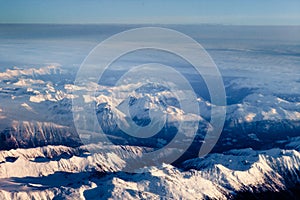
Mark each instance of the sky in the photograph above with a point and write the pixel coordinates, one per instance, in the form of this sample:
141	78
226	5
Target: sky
235	12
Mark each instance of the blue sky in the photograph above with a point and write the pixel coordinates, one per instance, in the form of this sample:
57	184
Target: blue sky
241	12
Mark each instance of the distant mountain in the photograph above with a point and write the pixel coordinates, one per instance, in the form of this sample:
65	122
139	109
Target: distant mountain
44	96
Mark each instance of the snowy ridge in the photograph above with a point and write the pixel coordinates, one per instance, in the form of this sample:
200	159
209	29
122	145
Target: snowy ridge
43	161
250	170
258	107
90	176
10	74
34	133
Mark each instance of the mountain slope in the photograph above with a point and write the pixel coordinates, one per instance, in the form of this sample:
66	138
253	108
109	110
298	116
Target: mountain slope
74	173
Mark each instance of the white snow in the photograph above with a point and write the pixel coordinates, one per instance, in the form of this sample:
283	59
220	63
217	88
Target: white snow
215	176
17	72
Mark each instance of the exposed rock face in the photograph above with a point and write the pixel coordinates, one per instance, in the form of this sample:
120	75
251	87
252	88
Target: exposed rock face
32	134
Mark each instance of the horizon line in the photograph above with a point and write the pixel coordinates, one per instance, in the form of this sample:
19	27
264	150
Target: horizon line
142	24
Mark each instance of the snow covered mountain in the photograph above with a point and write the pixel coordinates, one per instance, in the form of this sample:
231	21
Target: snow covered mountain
68	173
30	113
25	134
42	97
42	156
